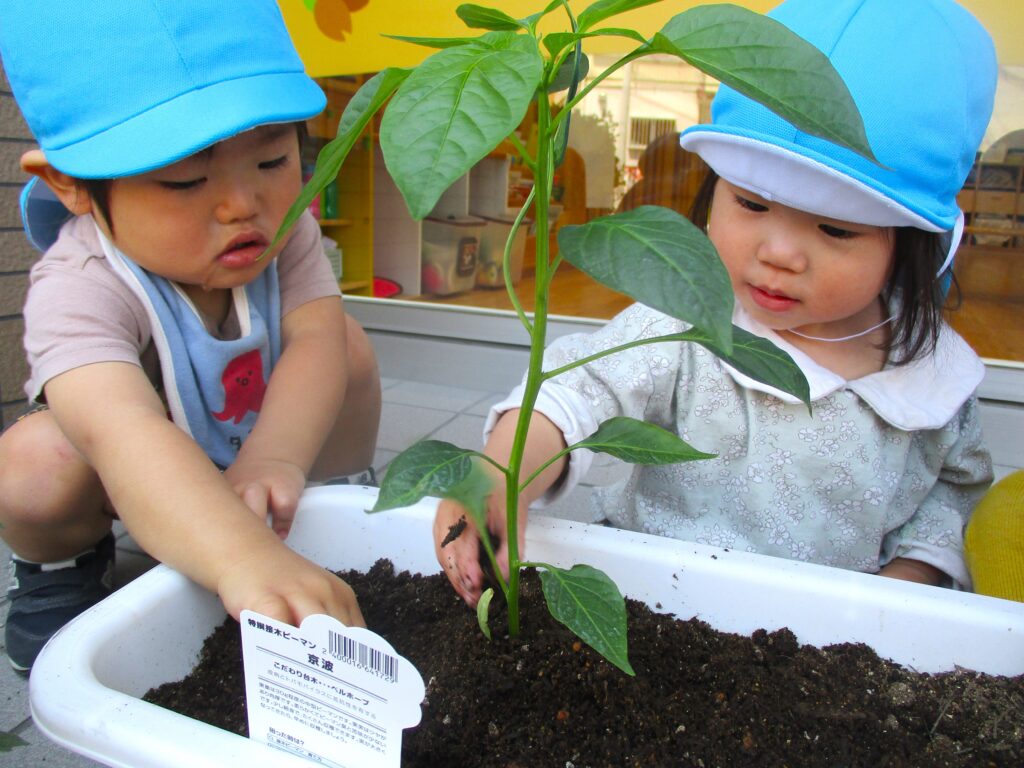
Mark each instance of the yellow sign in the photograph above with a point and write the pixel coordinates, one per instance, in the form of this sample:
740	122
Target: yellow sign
341	37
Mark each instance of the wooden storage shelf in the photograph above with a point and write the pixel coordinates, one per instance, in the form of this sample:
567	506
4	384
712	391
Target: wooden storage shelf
348	286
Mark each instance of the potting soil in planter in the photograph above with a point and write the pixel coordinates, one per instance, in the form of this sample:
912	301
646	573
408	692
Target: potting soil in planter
700	697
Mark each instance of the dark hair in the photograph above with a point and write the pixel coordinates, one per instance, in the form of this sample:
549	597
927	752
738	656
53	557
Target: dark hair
918	256
98	190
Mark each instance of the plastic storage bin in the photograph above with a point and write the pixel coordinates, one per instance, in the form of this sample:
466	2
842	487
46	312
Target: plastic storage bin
86	687
492	252
450	252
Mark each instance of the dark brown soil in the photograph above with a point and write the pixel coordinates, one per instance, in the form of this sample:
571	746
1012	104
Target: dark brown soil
700	697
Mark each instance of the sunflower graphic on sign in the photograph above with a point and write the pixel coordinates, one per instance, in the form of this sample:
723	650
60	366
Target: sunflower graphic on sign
334	17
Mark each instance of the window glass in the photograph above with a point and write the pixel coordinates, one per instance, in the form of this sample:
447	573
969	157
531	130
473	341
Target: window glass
624	153
990	263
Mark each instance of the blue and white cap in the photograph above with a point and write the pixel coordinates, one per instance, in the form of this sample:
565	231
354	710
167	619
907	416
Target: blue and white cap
923	75
114	88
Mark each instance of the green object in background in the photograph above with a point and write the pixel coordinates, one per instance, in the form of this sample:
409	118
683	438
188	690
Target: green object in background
329	201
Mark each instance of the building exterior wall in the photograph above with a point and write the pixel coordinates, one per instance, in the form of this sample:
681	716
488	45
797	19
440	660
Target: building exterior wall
16	257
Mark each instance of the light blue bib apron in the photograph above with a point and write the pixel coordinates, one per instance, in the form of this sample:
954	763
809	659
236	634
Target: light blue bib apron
214	387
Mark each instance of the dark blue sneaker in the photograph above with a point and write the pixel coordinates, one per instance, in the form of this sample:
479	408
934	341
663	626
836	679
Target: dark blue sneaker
46	597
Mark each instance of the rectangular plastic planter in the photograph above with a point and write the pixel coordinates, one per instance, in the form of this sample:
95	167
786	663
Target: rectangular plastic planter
85	687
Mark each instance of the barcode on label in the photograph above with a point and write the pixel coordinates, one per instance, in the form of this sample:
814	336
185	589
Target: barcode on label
361	655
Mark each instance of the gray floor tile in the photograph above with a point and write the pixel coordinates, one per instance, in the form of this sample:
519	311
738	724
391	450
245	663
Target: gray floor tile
13	697
483	406
442	398
463	431
402	425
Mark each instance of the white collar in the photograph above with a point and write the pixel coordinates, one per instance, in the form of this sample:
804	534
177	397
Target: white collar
924	394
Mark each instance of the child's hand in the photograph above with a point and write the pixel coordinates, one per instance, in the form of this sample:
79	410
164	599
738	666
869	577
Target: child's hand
458	550
269	487
279	583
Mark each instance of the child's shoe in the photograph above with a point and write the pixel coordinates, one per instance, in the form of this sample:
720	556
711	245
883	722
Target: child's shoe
45	597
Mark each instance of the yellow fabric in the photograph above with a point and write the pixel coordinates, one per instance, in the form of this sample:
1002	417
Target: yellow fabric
994	542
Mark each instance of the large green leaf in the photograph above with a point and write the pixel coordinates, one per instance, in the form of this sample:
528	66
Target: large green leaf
604	9
357	115
586	601
428	468
764	60
658	257
480	17
455	108
433	42
639	442
757	358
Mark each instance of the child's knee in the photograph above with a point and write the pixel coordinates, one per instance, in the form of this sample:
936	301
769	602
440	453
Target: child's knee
994	541
44	476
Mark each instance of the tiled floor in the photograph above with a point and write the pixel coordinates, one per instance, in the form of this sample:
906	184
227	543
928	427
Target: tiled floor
412	411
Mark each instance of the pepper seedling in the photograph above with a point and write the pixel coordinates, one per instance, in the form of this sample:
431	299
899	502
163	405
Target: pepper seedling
444	115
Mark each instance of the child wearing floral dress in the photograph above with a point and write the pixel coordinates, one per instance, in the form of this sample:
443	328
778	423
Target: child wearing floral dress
842	263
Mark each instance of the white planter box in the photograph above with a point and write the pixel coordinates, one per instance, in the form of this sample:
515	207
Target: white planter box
86	684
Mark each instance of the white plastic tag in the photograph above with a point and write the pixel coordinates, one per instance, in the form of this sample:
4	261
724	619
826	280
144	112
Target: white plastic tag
337	695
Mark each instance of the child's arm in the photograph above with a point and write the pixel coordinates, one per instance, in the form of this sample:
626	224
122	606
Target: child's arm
302	402
177	505
460	558
913	570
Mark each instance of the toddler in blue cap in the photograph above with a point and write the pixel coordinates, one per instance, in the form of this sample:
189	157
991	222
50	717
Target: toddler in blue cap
840	262
168	155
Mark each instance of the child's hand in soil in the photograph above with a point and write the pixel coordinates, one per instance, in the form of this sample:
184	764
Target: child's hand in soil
277	582
458	549
269	487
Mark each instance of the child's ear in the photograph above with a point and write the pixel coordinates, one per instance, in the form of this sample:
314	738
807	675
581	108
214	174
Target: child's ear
65	187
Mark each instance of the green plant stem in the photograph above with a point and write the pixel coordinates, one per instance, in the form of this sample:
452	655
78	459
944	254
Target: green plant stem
544	466
507	263
569	105
534	377
674	337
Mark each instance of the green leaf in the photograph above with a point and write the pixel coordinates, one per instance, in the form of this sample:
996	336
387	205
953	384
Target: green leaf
658	257
480	17
310	4
764	60
604	9
357	115
558	41
434	42
586	601
533	18
9	741
428	468
564	77
482	608
639	442
757	358
455	108
472	492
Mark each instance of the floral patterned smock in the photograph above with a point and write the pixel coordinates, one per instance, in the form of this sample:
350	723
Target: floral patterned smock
889	465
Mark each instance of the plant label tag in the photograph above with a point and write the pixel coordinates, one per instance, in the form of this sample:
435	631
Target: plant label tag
339	696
